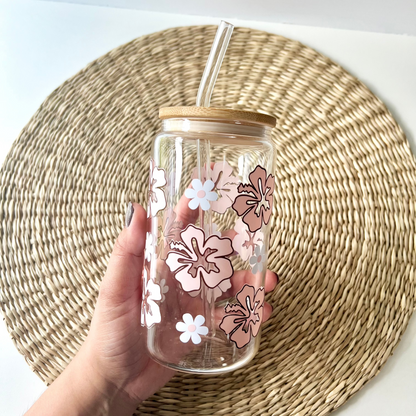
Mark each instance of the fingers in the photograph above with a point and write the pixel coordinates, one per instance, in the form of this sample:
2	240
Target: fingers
184	213
271	281
245	277
123	277
267	311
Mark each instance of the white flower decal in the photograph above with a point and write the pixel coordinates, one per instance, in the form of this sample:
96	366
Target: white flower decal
225	184
150	247
157	199
257	261
201	194
164	288
245	242
191	328
150	309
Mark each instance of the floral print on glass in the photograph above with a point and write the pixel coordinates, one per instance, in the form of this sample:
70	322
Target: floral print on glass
149	247
196	259
255	200
215	230
150	312
191	328
170	231
213	294
225	185
200	194
243	319
245	241
157	200
257	260
164	288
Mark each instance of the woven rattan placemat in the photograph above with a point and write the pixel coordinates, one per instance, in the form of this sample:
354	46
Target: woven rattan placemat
343	230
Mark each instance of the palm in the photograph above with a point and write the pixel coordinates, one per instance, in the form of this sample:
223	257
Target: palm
117	341
120	340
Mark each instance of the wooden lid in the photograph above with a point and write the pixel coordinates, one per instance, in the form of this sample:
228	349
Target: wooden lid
217	113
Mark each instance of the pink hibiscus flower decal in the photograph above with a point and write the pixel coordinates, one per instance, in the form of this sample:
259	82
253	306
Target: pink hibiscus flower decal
243	320
255	201
245	242
195	259
225	185
170	231
156	200
150	311
212	295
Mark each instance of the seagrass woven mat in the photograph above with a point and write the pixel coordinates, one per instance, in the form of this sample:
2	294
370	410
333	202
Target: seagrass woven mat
343	230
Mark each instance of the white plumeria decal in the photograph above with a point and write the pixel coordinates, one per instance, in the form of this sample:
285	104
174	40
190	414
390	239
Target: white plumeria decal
150	247
257	261
150	309
225	184
201	194
157	199
192	328
164	288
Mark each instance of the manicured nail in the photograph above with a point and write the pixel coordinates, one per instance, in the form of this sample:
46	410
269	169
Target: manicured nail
129	214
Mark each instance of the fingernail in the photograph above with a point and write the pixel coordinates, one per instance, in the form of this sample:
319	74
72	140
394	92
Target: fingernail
129	214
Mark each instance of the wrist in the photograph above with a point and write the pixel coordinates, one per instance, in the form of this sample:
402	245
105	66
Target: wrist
82	391
102	395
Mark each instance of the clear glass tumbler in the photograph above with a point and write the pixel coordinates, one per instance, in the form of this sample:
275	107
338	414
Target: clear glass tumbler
209	209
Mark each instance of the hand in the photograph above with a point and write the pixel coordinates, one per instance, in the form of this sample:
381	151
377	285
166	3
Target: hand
112	373
117	339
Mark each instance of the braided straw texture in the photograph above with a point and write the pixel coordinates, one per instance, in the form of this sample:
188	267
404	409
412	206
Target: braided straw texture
343	230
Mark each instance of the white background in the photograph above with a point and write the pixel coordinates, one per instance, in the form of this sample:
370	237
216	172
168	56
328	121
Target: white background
386	16
44	43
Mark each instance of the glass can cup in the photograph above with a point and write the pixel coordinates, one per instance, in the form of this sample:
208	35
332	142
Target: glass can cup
209	212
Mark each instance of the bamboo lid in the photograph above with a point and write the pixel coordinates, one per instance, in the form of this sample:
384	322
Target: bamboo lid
217	113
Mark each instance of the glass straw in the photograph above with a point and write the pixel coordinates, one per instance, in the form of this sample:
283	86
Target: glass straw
214	62
203	99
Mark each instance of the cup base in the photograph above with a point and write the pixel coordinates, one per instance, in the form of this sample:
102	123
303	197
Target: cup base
208	358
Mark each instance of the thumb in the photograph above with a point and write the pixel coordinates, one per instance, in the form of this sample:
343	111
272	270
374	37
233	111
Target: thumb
122	279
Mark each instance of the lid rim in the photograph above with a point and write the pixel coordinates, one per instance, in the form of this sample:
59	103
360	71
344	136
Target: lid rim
218	114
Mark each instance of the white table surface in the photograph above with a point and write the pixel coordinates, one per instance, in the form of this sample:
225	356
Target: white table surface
44	43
